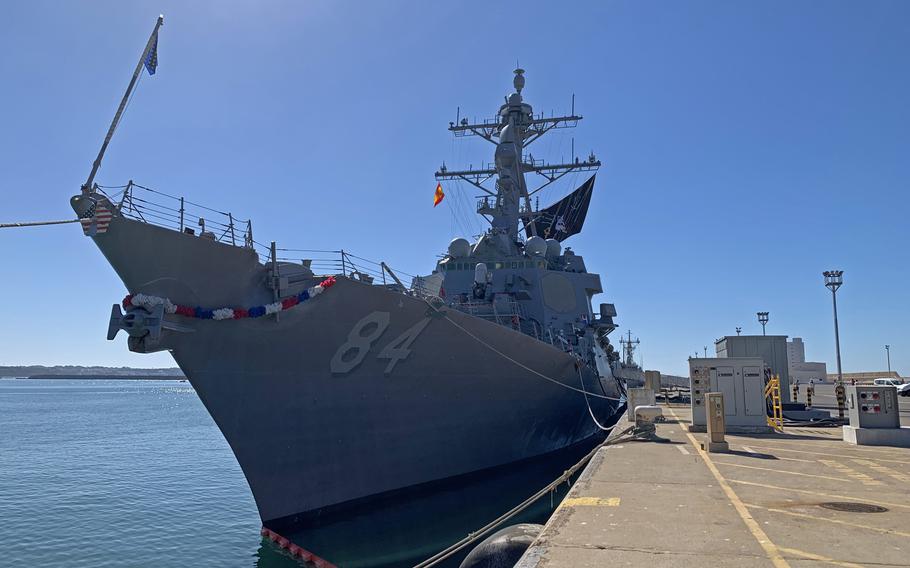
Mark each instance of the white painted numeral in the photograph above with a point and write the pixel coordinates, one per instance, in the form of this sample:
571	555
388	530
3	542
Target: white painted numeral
360	341
398	350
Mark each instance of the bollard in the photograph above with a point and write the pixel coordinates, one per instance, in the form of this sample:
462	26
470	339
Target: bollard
795	393
809	392
841	393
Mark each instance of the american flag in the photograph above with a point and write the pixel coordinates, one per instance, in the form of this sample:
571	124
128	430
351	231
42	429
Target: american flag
95	220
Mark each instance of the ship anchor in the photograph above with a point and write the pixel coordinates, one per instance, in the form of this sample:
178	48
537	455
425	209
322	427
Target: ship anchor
143	327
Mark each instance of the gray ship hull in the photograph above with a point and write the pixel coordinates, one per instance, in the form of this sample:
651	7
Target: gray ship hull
311	431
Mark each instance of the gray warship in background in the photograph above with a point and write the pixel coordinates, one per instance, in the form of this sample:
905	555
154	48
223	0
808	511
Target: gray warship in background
627	368
377	422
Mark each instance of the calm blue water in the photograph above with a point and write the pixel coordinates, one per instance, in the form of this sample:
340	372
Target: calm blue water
120	473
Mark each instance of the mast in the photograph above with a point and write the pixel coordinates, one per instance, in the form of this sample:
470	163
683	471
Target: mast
516	127
628	347
87	187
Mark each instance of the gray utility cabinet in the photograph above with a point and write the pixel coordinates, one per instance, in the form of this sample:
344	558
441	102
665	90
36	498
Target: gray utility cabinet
771	348
742	382
871	406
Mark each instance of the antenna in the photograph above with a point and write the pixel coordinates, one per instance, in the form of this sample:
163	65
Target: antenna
573	104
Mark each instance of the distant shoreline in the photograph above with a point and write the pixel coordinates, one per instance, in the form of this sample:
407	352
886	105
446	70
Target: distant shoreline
90	372
96	378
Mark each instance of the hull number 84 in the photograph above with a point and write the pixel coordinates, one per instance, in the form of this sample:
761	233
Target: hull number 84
365	334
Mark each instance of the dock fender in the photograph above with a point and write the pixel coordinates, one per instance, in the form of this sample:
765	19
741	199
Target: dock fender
504	548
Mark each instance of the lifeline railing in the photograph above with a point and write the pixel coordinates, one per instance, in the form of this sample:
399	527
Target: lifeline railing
158	208
172	212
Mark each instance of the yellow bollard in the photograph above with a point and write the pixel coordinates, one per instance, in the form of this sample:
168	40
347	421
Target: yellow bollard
841	393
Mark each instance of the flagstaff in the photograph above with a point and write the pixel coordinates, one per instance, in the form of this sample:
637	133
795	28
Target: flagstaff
149	59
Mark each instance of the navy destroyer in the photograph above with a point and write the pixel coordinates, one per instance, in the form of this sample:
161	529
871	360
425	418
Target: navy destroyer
378	418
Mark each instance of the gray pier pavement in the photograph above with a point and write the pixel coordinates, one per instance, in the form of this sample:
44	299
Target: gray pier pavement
762	504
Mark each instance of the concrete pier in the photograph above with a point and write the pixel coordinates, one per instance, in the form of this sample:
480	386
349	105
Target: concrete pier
802	498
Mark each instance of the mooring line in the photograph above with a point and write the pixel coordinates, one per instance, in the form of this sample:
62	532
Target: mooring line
36	223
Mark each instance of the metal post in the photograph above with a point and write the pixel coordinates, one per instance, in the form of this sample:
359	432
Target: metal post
840	375
181	214
231	227
87	188
276	277
888	353
763	320
344	269
125	196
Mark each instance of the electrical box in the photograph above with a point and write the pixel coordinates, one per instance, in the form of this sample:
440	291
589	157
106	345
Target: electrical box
714	408
741	380
871	406
638	397
652	380
771	348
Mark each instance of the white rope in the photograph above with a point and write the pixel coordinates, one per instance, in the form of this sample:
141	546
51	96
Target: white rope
522	365
588	402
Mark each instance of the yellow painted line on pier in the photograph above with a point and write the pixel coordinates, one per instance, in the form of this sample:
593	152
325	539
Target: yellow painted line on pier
829	455
850	472
795	440
820	494
835	521
819	558
767	545
590	502
785	471
882	469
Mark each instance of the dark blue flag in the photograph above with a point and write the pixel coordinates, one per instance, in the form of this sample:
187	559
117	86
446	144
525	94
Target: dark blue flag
151	60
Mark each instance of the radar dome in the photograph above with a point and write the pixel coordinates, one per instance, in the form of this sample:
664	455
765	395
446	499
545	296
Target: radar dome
536	246
553	248
459	248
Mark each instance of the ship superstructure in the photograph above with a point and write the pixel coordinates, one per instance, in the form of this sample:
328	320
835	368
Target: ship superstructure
366	413
531	284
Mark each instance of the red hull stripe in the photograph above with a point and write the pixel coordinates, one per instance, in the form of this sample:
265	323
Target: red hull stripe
295	550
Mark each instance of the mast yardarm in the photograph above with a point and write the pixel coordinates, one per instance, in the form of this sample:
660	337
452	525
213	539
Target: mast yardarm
514	129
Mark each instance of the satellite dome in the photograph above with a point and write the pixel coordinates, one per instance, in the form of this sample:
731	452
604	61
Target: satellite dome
536	246
554	247
459	248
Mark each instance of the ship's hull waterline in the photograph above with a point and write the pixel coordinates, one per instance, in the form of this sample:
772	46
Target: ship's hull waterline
359	392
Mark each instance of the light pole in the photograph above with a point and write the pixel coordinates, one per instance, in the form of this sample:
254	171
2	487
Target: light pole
706	355
738	330
763	320
888	353
834	279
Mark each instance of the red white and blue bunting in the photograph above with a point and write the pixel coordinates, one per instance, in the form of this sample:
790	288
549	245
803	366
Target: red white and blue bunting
149	302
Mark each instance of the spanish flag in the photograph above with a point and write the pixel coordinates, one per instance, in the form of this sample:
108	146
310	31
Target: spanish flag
439	195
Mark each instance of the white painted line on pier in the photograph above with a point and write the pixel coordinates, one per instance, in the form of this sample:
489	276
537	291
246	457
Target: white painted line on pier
750	450
683	450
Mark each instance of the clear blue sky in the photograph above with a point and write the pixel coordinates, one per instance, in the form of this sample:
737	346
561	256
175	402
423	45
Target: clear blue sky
747	147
